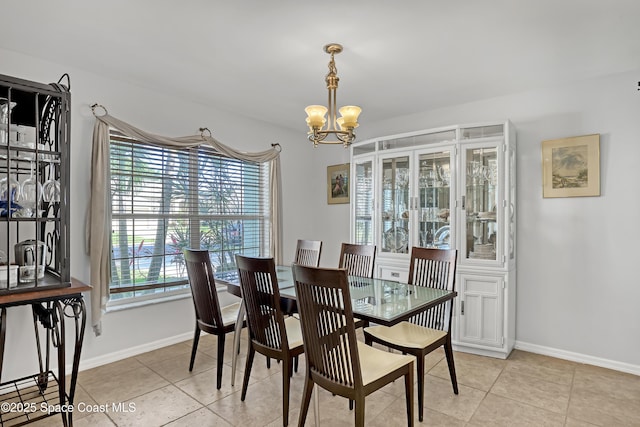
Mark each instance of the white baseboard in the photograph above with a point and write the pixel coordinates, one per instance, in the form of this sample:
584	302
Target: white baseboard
578	357
129	352
532	348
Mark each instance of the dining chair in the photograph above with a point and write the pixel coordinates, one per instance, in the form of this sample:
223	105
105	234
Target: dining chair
308	252
270	332
210	317
427	331
336	360
359	260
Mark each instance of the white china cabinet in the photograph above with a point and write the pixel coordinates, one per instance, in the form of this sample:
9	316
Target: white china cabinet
451	187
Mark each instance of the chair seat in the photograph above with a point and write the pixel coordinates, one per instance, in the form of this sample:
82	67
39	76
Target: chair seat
376	363
406	334
294	332
230	313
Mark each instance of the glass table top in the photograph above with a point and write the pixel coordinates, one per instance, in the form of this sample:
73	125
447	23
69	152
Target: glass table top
377	300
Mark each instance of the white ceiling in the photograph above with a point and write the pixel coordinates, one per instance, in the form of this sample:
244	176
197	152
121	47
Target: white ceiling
264	59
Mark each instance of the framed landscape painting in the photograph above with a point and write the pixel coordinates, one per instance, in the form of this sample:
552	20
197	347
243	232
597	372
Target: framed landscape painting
571	166
338	184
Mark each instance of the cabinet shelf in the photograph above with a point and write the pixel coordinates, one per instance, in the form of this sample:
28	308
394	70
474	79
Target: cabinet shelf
435	188
481	220
26	397
15	218
51	280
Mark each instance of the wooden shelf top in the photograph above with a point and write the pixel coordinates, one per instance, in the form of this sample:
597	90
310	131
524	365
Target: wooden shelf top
77	287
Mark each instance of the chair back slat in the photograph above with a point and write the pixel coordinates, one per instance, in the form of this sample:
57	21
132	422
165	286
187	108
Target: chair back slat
327	324
203	289
261	296
308	252
434	268
359	260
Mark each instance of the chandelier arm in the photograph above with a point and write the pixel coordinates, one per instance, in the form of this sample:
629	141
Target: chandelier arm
346	136
319	136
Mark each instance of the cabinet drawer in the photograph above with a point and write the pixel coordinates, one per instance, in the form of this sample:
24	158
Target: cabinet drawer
395	274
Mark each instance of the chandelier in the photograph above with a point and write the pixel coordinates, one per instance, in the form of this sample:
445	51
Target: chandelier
342	127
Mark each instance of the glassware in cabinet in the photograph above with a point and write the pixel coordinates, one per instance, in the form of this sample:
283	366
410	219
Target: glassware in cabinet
481	200
434	195
395	204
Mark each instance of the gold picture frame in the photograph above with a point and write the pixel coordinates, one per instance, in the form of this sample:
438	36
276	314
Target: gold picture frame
338	183
571	166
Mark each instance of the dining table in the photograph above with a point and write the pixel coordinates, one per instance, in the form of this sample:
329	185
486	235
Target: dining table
374	300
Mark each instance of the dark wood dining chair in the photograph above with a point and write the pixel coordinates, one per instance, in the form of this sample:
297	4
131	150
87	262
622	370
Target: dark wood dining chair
210	317
336	360
427	331
270	332
359	260
308	252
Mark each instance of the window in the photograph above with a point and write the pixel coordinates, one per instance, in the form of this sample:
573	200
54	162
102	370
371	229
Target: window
165	200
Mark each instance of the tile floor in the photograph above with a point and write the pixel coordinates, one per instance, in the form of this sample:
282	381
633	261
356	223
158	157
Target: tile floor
524	390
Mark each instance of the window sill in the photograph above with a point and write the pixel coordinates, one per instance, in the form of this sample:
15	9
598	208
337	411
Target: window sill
130	303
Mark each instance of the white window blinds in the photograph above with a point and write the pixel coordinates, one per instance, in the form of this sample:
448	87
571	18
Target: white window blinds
166	199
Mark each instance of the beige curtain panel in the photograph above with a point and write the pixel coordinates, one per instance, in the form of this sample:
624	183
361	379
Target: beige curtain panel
99	215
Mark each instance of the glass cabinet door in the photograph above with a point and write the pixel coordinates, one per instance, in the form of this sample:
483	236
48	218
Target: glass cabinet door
395	204
481	204
363	206
434	200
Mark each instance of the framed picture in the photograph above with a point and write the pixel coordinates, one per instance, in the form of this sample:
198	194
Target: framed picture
338	184
571	166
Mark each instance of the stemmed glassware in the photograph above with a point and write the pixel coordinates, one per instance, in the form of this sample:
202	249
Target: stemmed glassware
402	178
5	109
30	194
492	173
444	174
51	188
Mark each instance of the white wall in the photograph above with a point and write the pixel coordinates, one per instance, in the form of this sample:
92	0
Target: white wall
577	293
577	290
309	216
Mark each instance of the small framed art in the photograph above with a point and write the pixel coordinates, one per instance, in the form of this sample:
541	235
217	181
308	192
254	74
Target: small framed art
571	166
338	183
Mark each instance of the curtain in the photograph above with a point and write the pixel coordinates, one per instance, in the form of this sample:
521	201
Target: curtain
99	216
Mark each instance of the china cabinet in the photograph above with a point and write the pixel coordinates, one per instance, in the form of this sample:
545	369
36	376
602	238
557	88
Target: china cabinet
450	187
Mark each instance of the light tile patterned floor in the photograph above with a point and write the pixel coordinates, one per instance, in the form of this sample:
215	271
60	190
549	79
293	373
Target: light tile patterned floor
524	390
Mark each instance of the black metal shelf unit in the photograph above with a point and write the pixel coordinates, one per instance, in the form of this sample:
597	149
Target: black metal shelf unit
34	184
